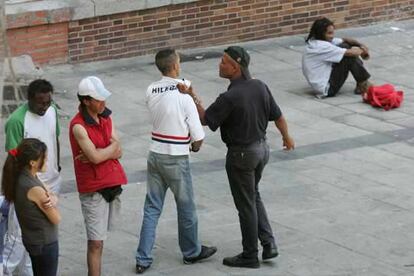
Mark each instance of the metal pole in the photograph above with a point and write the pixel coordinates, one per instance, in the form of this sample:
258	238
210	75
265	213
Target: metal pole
6	57
2	51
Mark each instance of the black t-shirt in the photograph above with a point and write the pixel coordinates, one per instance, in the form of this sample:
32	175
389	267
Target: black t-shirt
243	112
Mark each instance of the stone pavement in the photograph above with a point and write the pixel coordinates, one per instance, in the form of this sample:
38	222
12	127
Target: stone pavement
340	204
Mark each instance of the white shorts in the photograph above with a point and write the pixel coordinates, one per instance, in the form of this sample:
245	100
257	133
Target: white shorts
99	215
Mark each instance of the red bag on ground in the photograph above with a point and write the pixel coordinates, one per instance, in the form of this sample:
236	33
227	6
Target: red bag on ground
383	96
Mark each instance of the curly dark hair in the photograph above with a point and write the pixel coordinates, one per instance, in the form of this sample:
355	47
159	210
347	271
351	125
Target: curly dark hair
319	28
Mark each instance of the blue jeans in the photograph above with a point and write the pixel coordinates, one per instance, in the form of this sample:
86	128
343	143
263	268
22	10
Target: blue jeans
168	171
44	258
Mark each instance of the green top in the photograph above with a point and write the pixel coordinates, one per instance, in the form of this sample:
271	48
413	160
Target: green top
14	128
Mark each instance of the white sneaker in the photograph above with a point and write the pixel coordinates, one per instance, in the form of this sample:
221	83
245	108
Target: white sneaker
320	96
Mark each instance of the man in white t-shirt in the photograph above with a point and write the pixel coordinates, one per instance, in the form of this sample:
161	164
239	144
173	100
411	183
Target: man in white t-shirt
35	119
328	60
176	129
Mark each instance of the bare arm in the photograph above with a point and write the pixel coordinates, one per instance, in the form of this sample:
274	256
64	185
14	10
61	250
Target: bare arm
52	198
92	154
196	145
354	52
354	43
200	109
115	137
281	124
58	154
39	196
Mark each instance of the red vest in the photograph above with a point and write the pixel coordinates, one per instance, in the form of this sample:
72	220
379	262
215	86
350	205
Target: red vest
93	177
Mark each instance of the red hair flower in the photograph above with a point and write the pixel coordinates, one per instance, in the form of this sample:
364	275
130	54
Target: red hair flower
13	152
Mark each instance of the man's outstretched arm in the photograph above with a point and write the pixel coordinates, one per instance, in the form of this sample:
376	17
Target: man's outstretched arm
200	109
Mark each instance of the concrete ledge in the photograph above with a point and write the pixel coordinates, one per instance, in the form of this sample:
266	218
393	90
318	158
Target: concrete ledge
27	14
105	7
82	9
30	19
48	11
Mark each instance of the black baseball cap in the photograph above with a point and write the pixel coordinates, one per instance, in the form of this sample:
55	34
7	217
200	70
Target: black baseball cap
240	55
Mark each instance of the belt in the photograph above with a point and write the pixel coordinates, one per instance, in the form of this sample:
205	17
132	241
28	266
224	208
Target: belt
246	146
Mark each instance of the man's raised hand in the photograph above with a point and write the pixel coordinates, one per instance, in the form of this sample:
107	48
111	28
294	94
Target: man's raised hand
184	88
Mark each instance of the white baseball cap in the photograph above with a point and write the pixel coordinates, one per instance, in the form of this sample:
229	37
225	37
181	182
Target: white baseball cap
92	86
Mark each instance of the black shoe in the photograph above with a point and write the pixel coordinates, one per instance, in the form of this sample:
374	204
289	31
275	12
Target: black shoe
240	261
204	254
269	251
139	269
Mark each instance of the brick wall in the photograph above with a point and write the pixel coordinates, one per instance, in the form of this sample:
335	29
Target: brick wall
215	22
45	43
41	34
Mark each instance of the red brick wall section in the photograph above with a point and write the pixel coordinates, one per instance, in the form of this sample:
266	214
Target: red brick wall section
41	34
214	22
45	43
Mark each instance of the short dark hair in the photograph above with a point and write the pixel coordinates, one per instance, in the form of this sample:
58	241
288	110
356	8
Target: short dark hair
319	28
39	86
165	59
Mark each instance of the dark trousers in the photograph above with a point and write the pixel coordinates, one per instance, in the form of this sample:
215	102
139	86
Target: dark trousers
44	258
244	167
340	72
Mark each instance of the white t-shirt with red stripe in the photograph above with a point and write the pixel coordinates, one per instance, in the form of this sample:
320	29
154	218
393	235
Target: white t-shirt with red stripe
175	120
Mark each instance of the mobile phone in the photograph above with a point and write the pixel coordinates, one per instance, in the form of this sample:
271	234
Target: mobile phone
186	82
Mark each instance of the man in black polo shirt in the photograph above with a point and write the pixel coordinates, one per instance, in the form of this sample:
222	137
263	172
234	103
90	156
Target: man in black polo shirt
242	113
